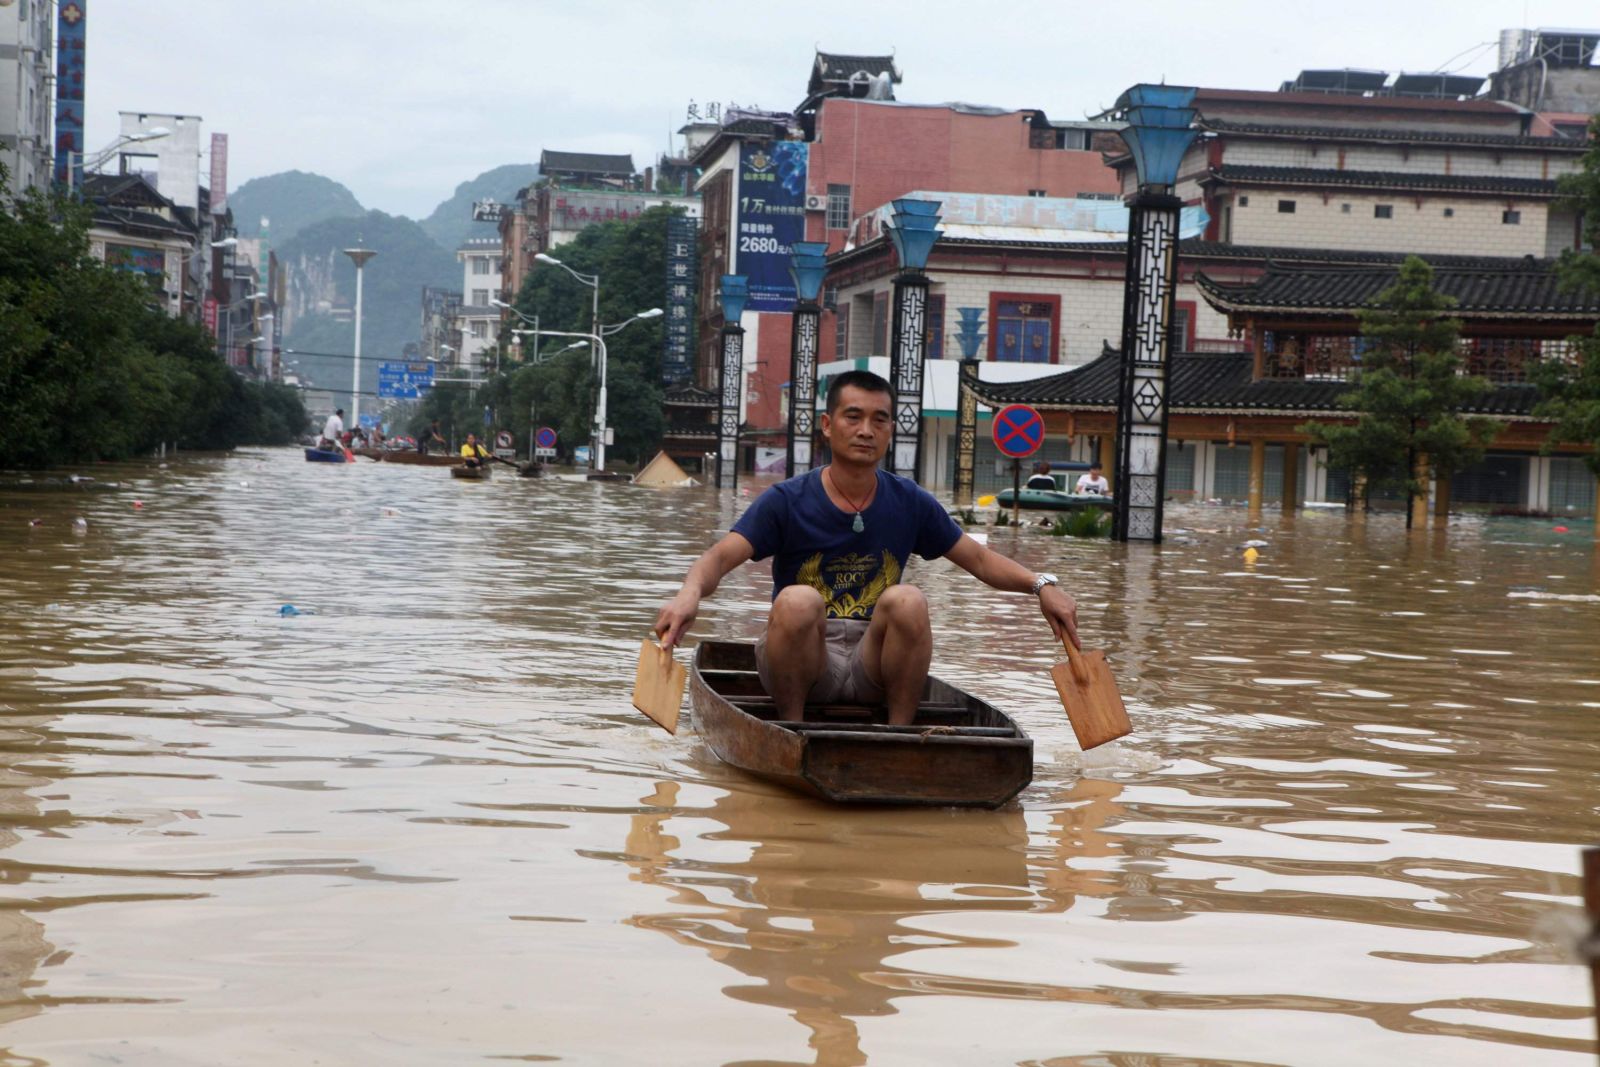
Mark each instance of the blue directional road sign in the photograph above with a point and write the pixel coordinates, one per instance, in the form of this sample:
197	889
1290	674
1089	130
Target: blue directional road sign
1018	430
404	381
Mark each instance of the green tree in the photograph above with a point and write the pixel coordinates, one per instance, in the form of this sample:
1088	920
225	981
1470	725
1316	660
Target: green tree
1409	393
630	258
89	369
1571	388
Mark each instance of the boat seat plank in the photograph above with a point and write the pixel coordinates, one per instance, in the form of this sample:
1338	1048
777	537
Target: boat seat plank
913	730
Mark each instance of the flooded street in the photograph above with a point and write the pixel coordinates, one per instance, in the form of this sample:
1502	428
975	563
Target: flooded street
423	825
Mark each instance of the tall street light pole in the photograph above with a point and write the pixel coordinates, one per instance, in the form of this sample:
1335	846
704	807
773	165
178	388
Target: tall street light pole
591	280
598	449
913	231
1159	131
735	291
359	257
808	267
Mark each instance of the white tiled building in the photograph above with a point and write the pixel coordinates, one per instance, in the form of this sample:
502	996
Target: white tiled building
479	320
27	103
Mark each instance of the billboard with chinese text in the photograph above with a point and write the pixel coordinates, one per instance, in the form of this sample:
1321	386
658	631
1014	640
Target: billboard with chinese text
677	355
771	217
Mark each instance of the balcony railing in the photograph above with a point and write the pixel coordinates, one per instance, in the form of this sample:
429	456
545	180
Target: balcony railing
1337	357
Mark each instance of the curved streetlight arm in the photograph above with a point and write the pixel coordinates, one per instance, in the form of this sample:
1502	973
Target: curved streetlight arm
617	327
592	280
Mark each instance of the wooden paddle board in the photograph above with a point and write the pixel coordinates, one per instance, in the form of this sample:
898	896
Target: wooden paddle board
1089	693
658	685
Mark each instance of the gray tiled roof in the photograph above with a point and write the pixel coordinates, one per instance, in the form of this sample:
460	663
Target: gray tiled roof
1204	383
1383	181
586	163
1390	135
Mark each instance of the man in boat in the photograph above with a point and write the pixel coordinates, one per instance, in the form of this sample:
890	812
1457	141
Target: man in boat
1040	478
427	437
1094	482
843	627
332	430
474	453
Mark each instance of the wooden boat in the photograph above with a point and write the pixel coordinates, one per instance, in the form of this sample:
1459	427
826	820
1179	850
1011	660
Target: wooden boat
480	474
428	459
960	751
368	451
324	455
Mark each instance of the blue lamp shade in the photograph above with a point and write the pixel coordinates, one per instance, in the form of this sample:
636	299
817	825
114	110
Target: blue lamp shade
735	291
808	265
1159	129
967	333
914	231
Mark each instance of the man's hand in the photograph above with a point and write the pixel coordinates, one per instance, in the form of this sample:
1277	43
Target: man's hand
1061	612
676	616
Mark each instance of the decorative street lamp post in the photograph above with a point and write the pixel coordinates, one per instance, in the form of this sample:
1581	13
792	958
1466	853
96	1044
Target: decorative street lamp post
913	231
808	266
970	339
735	291
359	256
1158	133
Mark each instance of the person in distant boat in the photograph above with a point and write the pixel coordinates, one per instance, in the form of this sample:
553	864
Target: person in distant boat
844	626
1094	483
1040	478
332	430
427	437
474	453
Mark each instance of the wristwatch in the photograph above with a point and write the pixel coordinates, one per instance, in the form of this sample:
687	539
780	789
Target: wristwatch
1041	581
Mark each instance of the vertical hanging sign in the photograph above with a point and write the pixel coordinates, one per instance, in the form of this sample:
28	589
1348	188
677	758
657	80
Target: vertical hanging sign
677	354
70	42
219	173
772	217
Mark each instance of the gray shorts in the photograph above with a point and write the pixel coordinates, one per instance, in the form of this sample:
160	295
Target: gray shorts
844	677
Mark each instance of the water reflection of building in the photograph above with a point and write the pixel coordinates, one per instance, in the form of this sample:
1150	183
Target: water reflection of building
829	897
22	945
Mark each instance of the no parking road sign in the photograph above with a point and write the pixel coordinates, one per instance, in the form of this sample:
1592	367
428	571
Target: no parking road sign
1018	430
544	442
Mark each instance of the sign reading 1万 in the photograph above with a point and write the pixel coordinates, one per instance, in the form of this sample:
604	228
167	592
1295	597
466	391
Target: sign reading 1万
772	216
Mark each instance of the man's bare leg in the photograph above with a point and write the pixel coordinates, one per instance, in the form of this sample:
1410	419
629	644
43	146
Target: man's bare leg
897	649
797	648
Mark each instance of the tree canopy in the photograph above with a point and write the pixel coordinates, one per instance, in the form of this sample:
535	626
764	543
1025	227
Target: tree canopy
1409	393
90	370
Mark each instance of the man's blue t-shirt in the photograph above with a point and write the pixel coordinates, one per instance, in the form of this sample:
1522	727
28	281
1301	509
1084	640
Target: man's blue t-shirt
812	542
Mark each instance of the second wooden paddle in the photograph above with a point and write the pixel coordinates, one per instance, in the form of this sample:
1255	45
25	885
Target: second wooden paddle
658	685
1089	693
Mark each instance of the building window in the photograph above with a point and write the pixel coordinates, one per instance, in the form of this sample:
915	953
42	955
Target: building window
1344	209
482	265
1023	331
480	329
1036	192
1099	196
841	332
1244	201
1178	337
880	324
480	297
838	207
935	322
1449	212
1511	217
1286	207
1383	211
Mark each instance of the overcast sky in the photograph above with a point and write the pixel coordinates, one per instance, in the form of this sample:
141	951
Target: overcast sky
403	99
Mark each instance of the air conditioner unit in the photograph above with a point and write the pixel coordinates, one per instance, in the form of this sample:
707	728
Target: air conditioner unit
816	203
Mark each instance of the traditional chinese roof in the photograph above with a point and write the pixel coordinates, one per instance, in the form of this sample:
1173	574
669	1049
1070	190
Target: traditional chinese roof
130	204
1381	181
831	70
1214	384
1380	135
589	163
1527	288
687	394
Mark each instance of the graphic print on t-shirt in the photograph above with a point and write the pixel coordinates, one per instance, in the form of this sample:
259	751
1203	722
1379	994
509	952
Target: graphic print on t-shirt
850	584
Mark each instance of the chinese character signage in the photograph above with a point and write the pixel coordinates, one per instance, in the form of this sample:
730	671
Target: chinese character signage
219	173
70	41
487	210
677	357
404	381
771	214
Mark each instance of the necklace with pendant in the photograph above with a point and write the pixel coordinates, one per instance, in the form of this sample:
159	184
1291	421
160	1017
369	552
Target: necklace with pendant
858	526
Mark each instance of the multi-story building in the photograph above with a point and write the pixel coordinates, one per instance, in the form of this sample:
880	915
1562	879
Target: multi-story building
479	320
138	230
27	66
441	324
854	149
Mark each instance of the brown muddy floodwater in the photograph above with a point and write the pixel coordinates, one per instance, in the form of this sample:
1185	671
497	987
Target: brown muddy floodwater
424	826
